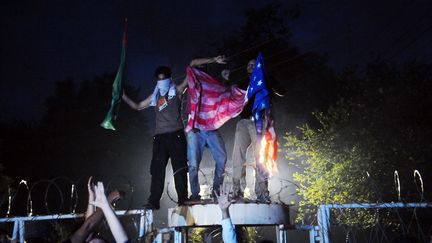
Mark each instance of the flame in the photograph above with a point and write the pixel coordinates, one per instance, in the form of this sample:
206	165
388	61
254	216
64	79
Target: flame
267	152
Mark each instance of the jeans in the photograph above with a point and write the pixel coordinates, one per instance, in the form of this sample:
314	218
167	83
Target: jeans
246	137
196	141
165	146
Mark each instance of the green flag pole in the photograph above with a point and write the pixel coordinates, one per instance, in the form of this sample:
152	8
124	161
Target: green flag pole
117	87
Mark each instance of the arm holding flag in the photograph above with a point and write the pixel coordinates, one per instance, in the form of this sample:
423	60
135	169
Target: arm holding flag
211	103
181	87
202	61
137	106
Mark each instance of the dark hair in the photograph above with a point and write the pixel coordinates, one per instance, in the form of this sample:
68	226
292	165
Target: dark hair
163	70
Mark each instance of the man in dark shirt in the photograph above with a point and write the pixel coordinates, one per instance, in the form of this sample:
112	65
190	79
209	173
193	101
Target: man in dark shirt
169	141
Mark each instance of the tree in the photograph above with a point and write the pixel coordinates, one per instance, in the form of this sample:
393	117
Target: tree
308	82
381	123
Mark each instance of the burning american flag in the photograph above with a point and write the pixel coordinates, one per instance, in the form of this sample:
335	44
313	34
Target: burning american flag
266	136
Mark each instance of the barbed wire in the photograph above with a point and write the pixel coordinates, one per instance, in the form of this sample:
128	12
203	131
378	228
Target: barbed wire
281	196
44	187
386	229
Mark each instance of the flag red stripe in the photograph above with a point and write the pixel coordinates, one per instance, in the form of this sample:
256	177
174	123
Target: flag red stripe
211	103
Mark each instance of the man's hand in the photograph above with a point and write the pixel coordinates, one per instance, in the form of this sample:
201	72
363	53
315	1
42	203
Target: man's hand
101	200
90	186
224	201
220	59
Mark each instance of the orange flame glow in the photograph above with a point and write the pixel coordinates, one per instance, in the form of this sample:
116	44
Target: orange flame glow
267	155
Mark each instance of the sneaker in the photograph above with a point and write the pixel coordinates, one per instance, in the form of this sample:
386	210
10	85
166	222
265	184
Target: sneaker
149	206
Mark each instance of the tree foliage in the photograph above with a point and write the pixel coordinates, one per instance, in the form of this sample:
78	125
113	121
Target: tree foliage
380	124
309	83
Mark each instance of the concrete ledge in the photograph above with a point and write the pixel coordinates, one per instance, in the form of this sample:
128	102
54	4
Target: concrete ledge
241	214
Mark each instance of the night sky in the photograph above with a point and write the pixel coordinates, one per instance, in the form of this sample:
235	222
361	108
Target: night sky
47	41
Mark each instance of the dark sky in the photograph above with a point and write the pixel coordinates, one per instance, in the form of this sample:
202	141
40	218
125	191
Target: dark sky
46	41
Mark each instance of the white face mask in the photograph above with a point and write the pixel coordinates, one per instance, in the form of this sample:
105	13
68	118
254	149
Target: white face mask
163	86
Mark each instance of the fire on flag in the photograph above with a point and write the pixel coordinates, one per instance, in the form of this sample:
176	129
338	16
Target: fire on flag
266	136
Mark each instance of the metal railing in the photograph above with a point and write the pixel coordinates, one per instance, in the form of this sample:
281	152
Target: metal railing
145	224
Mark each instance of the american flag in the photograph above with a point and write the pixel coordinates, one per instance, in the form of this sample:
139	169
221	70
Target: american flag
211	103
264	124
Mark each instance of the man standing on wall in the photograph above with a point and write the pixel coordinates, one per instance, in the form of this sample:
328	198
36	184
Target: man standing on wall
169	140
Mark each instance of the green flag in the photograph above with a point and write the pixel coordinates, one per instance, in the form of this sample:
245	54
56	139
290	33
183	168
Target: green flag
117	88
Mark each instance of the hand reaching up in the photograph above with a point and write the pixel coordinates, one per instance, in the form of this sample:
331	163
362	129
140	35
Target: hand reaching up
90	187
224	200
101	200
220	59
114	224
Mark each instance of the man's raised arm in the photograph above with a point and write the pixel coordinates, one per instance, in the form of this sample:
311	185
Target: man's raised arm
202	61
140	106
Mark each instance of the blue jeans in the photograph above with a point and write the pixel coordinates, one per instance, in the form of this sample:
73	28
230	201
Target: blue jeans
196	141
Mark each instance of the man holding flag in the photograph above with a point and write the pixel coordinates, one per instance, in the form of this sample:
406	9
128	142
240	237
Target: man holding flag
255	128
210	104
169	141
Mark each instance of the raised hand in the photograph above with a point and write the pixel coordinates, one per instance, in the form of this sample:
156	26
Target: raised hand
223	198
100	199
220	59
114	224
90	187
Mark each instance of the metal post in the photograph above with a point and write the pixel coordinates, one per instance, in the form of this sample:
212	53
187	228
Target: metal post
141	225
185	234
312	233
281	233
146	221
15	230
149	220
324	223
178	237
21	231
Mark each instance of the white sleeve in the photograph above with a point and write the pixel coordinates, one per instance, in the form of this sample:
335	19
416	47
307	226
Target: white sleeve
228	233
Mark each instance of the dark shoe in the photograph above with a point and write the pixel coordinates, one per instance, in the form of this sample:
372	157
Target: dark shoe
213	199
195	198
182	202
263	199
149	206
239	199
